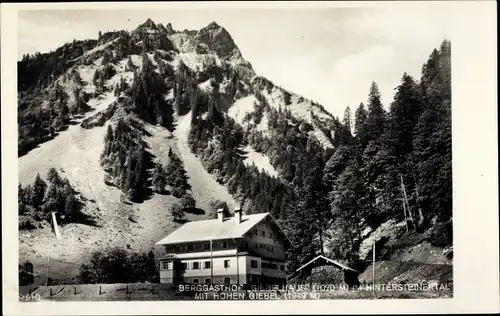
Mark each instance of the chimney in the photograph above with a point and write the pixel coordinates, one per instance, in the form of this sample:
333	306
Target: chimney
237	215
220	214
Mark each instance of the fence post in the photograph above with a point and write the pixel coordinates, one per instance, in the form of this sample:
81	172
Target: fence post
373	268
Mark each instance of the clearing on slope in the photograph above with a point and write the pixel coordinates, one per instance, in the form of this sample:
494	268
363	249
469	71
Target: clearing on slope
259	160
204	187
241	108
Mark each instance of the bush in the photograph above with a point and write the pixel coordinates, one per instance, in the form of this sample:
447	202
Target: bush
117	265
26	225
177	212
440	234
26	276
178	192
187	201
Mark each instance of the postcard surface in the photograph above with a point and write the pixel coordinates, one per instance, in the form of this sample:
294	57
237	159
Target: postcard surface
205	156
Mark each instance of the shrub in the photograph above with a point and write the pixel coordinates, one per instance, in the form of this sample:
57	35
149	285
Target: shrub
26	276
187	201
177	212
26	225
117	265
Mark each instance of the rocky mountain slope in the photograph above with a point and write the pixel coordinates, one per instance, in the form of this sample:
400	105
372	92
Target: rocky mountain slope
107	114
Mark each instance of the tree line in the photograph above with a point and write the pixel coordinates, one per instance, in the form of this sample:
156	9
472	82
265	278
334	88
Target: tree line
117	265
392	164
126	160
398	164
36	123
37	201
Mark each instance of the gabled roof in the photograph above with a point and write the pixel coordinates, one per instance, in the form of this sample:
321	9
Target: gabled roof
214	229
328	260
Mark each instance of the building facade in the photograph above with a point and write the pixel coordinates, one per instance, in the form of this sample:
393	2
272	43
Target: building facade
244	249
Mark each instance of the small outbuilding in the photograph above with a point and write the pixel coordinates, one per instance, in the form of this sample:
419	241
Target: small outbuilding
324	270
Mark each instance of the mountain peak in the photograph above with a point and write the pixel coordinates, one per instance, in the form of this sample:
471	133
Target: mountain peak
149	24
218	39
213	25
169	28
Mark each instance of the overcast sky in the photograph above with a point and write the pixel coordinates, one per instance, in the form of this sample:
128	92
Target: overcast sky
329	55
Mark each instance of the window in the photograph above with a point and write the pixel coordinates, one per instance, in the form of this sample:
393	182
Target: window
170	265
196	280
176	249
207	281
282	267
226	264
224	245
196	265
206	246
207	264
270	234
227	280
184	265
190	247
163	265
263	233
272	266
264	265
253	263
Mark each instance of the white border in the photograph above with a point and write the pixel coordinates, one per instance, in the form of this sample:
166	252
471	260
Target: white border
475	183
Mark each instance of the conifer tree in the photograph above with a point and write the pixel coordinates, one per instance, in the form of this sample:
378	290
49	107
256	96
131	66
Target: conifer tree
53	176
431	156
375	120
38	191
359	124
347	119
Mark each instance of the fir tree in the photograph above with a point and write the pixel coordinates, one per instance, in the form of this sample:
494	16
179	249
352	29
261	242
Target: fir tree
53	176
347	119
375	121
359	124
38	191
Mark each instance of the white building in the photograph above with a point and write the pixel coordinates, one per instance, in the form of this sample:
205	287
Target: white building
244	249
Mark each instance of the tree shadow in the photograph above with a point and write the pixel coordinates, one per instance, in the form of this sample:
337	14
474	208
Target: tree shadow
164	192
181	221
240	152
194	211
140	127
78	217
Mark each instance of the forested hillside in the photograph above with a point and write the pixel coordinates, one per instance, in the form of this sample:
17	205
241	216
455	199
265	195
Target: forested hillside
178	116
